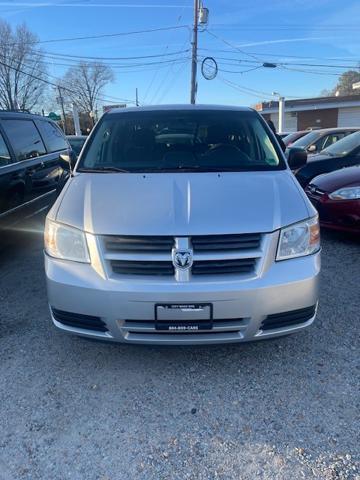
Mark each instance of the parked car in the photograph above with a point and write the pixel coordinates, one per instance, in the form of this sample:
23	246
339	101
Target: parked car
317	140
282	135
344	153
76	142
336	196
30	171
205	241
292	137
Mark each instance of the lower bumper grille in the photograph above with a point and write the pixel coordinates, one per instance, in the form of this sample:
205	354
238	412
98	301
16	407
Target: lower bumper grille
288	319
77	320
146	327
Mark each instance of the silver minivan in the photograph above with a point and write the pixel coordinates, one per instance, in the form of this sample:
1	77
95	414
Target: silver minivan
182	225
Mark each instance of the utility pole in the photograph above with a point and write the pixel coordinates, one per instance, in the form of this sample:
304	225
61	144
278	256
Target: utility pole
76	120
194	44
62	108
136	97
281	114
281	125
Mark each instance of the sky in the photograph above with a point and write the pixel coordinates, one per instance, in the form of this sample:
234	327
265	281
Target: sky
240	35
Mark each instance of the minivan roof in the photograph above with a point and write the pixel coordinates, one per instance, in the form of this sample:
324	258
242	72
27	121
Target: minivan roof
177	107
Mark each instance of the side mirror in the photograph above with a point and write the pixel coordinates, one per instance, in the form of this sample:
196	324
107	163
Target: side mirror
67	161
297	158
312	148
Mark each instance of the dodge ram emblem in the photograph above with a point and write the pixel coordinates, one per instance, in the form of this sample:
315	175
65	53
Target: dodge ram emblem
182	259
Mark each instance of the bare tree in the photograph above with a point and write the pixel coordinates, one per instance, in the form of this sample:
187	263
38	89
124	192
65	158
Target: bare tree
84	83
21	68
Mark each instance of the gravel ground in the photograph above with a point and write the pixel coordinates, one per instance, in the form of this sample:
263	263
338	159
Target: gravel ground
75	409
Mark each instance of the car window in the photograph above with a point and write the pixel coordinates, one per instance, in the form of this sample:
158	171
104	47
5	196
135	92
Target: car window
344	146
25	138
52	136
5	157
330	139
77	144
182	140
307	140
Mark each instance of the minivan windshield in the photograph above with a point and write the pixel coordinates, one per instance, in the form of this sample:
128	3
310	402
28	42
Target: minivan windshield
159	141
344	146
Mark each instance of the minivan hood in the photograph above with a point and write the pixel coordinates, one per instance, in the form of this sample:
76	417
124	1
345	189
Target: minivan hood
182	203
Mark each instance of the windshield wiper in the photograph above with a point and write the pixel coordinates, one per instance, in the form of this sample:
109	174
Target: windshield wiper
200	168
103	169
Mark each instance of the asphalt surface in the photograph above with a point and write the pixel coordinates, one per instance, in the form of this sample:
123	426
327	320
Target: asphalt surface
74	409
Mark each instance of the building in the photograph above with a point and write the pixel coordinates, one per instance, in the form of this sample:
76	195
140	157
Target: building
321	112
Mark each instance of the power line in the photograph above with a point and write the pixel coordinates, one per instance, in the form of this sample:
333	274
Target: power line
169	70
157	70
251	91
285	55
240	88
101	98
229	44
267	27
241	60
51	60
171	84
84	57
112	64
313	72
110	35
124	68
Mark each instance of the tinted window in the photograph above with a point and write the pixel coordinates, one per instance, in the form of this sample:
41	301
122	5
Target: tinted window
182	140
52	136
5	158
24	138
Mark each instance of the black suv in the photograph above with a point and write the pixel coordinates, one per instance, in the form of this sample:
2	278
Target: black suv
30	165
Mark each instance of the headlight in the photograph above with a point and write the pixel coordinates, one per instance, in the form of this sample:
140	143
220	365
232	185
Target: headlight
300	239
64	242
348	193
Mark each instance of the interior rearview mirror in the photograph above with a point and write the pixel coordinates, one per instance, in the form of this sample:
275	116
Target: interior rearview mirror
297	158
312	148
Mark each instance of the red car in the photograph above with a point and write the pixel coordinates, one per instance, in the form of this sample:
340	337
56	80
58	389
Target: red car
336	196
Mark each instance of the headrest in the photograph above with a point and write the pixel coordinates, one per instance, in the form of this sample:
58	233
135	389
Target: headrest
217	134
143	137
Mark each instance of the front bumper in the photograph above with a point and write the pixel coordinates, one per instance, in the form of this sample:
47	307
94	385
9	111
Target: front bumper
239	305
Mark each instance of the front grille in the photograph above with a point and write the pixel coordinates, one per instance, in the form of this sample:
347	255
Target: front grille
77	320
137	244
134	267
215	267
224	243
212	254
288	319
